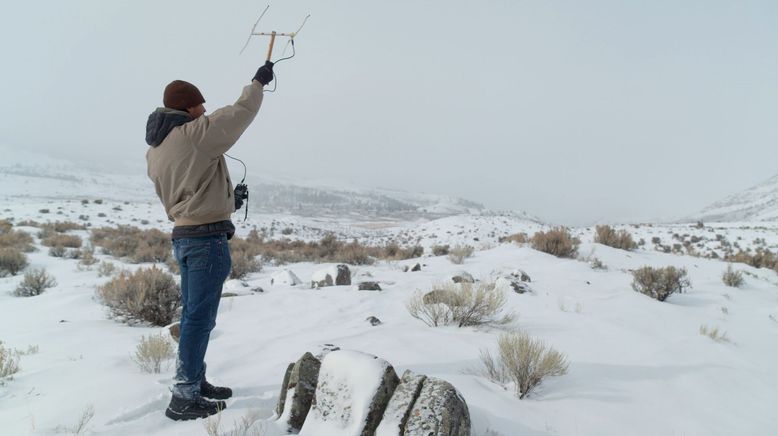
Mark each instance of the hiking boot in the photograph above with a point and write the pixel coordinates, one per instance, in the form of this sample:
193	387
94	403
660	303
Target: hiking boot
182	410
208	390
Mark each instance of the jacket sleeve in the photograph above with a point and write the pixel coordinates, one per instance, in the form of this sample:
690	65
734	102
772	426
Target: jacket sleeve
216	133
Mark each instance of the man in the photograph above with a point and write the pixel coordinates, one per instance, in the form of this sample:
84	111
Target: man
186	163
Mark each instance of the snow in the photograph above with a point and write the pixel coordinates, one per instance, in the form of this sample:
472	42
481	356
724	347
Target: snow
637	366
348	381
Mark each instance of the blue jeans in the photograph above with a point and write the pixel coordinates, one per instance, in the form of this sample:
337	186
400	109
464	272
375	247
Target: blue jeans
205	263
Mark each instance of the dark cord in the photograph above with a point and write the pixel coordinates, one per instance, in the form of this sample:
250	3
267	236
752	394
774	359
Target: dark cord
244	166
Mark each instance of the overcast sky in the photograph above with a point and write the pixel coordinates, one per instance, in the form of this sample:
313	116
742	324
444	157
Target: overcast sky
576	111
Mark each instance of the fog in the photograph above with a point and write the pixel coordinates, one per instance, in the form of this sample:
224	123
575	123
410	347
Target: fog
577	112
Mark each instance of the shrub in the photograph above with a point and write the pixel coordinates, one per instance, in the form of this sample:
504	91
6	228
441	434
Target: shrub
524	361
9	362
660	283
105	269
517	238
35	283
87	258
762	258
12	260
461	304
621	239
557	241
57	251
133	243
5	226
732	278
244	262
459	253
152	351
148	294
440	250
17	239
596	263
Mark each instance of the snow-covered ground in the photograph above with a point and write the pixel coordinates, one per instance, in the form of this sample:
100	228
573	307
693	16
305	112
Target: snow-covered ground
637	366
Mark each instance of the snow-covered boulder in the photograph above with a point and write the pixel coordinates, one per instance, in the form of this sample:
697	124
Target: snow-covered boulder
333	276
412	268
297	391
463	277
512	284
399	409
351	396
285	277
439	410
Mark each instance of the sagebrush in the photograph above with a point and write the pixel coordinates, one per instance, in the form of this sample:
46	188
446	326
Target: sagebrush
524	361
12	261
660	283
152	352
463	305
35	282
148	294
459	253
609	236
9	362
732	278
557	241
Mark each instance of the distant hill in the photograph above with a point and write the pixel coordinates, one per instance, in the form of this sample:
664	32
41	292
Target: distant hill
758	203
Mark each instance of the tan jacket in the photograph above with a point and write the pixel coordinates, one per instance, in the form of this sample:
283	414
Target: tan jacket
188	167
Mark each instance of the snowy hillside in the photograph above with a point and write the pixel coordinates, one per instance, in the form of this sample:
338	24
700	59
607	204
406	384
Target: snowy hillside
30	175
637	366
759	203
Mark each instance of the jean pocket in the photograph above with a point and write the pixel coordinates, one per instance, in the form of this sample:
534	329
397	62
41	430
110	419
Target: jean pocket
197	257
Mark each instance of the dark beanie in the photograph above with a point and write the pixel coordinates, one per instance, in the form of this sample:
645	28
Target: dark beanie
181	95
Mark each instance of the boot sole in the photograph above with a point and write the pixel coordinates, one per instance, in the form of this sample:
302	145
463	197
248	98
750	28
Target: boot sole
175	416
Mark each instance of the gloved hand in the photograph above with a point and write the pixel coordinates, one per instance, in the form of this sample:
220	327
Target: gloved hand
264	73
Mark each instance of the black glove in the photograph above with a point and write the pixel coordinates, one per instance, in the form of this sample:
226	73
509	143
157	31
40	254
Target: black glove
264	73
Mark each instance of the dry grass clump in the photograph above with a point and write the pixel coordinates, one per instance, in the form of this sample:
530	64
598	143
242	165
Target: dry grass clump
714	333
557	241
105	269
62	240
524	361
660	283
152	351
329	249
9	362
35	283
5	226
148	294
440	250
459	253
463	305
249	424
516	238
244	258
732	278
762	258
16	239
12	261
607	235
133	243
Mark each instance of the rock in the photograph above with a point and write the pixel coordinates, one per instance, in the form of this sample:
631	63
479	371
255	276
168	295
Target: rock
373	321
174	330
343	277
521	275
326	349
413	268
300	391
510	283
257	290
463	277
399	409
438	411
369	286
284	387
285	277
339	275
352	394
438	296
